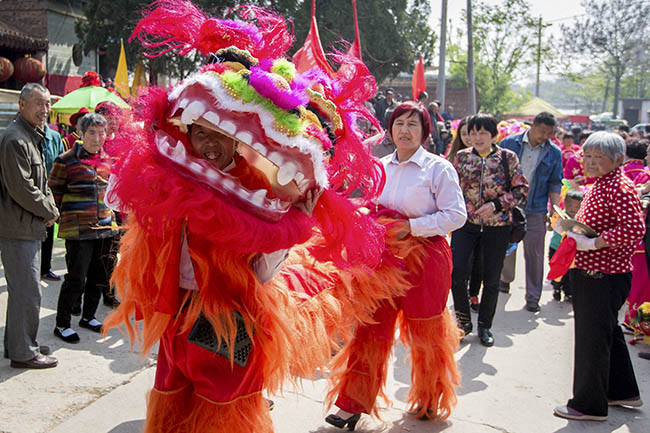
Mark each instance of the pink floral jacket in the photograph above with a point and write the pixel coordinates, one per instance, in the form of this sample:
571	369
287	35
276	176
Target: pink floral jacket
483	180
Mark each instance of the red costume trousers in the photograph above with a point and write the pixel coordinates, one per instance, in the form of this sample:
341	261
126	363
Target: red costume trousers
197	390
426	327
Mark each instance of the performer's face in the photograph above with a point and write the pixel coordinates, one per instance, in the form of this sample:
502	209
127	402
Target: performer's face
212	146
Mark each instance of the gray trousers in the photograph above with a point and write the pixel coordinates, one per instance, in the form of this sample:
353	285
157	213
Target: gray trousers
533	255
21	261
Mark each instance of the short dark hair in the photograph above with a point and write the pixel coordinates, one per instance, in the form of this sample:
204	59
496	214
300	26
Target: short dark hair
92	119
624	128
545	118
584	135
483	121
637	148
412	107
574	194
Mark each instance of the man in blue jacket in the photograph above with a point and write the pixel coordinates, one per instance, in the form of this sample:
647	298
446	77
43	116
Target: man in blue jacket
52	147
541	162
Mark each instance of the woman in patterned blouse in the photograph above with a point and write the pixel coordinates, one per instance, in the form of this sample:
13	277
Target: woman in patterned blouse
603	375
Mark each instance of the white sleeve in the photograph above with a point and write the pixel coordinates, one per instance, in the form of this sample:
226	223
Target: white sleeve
266	265
451	213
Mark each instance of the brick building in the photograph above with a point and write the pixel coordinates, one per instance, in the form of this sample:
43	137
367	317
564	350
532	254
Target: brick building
457	97
44	29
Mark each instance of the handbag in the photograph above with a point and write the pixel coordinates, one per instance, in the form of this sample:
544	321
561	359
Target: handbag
518	229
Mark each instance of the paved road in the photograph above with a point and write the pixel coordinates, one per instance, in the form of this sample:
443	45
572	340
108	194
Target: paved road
100	384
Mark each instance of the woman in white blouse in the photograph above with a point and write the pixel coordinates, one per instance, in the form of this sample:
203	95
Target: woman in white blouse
423	196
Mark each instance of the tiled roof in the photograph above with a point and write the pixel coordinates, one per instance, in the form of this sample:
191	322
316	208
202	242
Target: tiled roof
14	39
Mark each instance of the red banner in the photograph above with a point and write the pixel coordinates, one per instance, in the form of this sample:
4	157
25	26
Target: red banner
419	82
312	55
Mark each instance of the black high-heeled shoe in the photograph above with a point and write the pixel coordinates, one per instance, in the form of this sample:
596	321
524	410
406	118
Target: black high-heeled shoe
339	422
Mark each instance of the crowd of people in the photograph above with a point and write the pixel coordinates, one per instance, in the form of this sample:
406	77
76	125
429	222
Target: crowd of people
440	181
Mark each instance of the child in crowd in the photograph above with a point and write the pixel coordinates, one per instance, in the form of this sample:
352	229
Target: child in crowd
572	203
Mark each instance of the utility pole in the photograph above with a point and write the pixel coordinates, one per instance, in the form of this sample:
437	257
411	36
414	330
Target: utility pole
470	61
539	54
442	79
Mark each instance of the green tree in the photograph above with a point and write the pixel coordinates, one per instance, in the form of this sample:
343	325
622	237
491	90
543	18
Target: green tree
505	45
610	33
394	33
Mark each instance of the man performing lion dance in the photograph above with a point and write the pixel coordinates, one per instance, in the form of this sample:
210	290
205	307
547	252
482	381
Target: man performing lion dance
244	255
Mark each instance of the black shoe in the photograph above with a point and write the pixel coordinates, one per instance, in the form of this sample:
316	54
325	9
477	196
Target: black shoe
38	362
85	323
339	422
533	307
504	287
466	327
485	336
51	276
644	355
72	338
568	298
111	302
557	294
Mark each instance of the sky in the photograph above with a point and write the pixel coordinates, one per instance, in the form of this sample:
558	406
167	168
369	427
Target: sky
555	12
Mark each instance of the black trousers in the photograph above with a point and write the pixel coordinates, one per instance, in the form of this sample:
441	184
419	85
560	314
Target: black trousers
476	272
602	367
46	251
90	264
493	242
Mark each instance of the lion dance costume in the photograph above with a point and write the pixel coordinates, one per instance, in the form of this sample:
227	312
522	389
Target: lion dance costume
197	235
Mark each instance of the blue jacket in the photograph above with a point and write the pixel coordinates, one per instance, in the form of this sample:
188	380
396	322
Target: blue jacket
52	147
547	177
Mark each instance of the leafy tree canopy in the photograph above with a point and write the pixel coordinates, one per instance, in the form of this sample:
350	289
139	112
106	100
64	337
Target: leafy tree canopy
505	46
612	33
394	33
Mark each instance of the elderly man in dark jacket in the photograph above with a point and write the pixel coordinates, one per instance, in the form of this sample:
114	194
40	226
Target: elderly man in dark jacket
27	209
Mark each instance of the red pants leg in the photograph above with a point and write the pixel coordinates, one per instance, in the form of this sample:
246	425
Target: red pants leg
365	376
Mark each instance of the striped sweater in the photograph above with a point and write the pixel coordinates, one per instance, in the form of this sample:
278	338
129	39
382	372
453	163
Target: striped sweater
78	181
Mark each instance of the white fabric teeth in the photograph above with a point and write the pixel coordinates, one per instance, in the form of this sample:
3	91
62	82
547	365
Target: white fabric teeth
257	198
244	137
275	158
212	117
286	173
229	127
259	148
192	112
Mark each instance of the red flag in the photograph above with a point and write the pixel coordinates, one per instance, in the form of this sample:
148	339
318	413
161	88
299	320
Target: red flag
355	49
418	83
312	55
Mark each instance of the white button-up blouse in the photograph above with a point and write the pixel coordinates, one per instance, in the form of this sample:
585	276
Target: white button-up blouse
425	189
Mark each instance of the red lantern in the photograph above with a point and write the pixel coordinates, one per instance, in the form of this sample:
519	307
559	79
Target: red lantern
28	70
6	69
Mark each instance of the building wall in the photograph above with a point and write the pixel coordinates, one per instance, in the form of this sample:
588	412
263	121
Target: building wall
26	15
457	97
634	110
